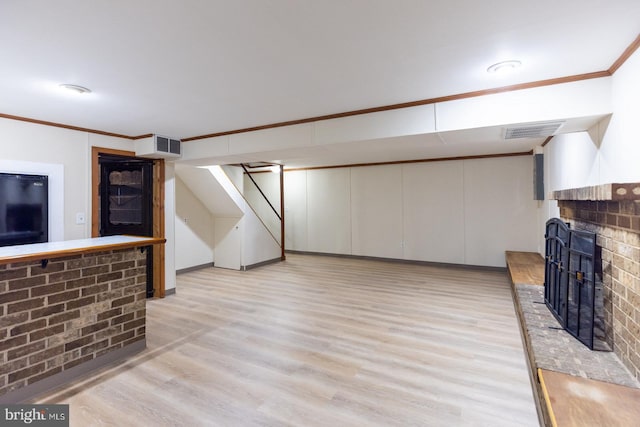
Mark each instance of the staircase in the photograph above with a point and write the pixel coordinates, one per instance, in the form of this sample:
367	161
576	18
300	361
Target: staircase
243	239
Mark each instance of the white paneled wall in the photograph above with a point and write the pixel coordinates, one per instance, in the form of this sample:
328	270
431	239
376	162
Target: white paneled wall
269	183
228	242
329	210
460	212
295	210
434	211
376	211
609	153
500	213
194	229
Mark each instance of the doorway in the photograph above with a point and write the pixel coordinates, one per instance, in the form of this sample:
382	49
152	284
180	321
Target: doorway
128	198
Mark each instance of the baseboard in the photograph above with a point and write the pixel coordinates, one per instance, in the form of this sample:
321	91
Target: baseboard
260	264
404	261
194	268
168	292
68	375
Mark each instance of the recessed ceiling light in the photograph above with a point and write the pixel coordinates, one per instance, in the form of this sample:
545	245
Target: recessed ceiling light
504	66
75	88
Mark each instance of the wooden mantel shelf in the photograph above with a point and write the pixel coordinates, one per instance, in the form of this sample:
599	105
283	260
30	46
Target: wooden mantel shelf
50	250
603	192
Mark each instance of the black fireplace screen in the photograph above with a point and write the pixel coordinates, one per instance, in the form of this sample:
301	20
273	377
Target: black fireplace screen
570	279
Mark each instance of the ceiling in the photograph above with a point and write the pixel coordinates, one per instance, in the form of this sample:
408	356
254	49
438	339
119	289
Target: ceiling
198	67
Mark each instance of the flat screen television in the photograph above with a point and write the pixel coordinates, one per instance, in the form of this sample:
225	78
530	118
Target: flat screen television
24	209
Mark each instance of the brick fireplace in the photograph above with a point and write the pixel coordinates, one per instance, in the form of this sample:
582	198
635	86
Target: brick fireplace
613	212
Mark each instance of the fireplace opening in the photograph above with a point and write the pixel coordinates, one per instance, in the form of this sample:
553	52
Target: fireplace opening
573	283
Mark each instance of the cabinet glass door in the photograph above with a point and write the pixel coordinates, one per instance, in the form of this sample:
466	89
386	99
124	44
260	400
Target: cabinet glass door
126	198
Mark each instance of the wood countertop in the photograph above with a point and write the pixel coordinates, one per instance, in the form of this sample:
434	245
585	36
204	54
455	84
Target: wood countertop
580	402
49	250
525	268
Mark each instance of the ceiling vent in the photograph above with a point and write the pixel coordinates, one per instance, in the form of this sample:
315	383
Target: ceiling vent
159	147
533	130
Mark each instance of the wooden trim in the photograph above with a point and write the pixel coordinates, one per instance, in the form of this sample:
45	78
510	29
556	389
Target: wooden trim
548	140
465	95
540	83
146	135
95	183
402	162
61	125
520	86
625	55
158	209
158	228
282	254
80	251
547	400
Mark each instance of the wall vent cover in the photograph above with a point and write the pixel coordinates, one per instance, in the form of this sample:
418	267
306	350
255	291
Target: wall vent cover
533	130
164	144
159	147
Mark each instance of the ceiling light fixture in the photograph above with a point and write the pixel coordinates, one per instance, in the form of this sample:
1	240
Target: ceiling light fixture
504	66
75	88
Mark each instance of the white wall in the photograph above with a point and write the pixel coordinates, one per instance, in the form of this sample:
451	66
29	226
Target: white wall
328	210
169	226
258	244
608	153
21	141
434	195
500	212
237	237
295	210
269	183
620	149
194	229
461	212
376	211
70	149
228	242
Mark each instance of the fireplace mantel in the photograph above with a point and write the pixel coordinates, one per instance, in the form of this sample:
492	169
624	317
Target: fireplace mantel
603	192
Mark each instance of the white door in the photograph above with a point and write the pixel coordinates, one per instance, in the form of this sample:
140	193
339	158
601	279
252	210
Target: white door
228	243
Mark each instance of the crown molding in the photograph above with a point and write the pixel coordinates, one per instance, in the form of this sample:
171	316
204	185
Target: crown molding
630	50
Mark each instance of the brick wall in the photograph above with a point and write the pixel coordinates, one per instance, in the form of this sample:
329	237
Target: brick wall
617	224
70	312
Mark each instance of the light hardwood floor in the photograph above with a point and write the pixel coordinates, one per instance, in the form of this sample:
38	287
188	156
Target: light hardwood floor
320	341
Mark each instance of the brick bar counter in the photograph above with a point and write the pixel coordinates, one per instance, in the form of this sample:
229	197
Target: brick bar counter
67	308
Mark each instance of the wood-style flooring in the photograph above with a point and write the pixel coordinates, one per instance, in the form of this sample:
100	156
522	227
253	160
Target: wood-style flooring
320	341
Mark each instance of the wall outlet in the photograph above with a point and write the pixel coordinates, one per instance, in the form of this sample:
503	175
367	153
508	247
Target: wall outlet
80	219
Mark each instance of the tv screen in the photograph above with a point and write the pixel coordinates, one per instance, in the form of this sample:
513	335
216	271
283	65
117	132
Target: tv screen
24	209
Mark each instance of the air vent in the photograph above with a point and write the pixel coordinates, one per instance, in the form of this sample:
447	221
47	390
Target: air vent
167	145
159	147
533	130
